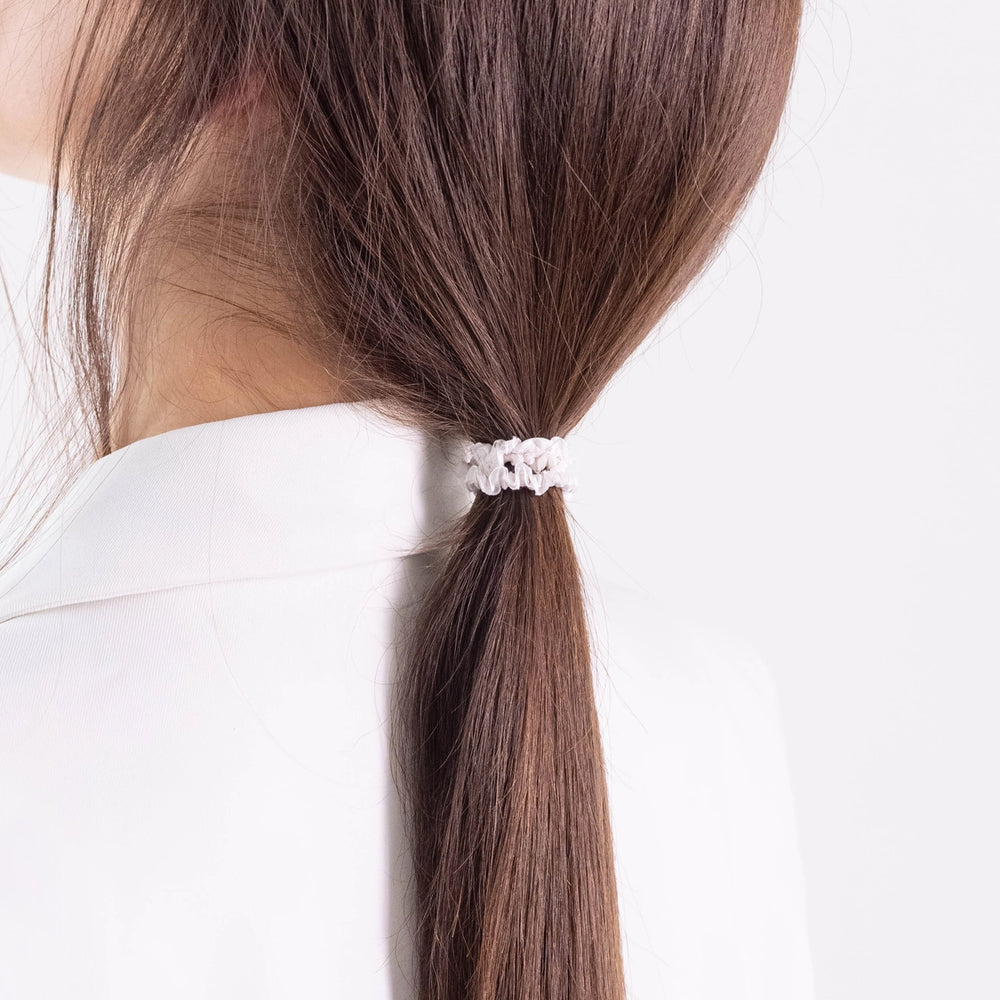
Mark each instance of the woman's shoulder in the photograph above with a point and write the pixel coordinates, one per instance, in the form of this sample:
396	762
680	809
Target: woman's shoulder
651	649
688	704
710	873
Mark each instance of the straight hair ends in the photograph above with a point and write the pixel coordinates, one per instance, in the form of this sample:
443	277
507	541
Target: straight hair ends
480	209
511	832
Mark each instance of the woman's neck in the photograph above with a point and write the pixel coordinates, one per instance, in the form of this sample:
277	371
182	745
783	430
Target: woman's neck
184	380
214	332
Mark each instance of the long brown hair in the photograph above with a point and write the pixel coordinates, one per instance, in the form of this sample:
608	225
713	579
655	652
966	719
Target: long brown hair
480	208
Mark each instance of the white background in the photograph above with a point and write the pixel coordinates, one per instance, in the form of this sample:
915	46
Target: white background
810	447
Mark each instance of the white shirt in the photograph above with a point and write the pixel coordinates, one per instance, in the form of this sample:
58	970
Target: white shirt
195	796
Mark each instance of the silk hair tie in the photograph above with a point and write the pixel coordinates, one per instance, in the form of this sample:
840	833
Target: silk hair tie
535	463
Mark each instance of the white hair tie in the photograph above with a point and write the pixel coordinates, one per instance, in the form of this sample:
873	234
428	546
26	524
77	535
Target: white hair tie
536	463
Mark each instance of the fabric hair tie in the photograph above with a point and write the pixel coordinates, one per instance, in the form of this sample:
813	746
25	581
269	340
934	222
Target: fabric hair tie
536	463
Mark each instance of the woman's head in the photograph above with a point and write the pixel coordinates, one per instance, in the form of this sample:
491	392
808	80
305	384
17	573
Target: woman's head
475	210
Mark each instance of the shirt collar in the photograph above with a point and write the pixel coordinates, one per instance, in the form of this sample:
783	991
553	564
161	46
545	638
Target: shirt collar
267	494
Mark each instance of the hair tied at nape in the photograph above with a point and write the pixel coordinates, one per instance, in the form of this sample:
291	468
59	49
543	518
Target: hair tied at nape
535	463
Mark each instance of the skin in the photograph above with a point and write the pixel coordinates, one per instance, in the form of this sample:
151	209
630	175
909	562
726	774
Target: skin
35	41
194	364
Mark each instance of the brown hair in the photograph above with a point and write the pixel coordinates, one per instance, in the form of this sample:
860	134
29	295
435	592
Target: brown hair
479	210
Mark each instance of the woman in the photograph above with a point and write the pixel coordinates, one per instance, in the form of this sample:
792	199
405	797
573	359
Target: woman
317	250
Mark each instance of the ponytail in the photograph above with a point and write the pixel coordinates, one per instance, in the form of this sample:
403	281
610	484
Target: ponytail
501	750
